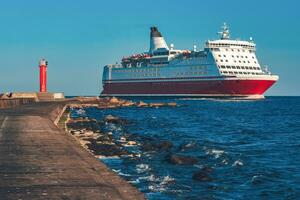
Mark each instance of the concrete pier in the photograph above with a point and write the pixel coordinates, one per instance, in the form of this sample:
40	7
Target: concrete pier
39	161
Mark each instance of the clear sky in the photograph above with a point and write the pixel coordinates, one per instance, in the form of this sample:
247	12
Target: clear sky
79	37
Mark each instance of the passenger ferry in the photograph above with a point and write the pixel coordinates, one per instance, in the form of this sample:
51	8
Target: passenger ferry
224	68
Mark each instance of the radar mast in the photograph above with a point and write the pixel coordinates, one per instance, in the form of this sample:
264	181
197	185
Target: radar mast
225	34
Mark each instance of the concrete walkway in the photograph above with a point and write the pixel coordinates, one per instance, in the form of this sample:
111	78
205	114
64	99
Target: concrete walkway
38	161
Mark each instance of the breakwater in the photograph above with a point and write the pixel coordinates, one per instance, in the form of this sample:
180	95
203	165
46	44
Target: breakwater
39	160
11	103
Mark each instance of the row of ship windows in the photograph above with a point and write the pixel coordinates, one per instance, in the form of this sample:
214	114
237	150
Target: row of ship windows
238	50
198	67
138	70
177	74
157	69
146	75
236	56
236	61
238	67
228	72
191	73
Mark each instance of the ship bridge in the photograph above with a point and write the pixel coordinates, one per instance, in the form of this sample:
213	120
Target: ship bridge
226	42
230	43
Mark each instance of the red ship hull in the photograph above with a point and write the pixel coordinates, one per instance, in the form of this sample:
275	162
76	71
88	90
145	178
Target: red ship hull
222	87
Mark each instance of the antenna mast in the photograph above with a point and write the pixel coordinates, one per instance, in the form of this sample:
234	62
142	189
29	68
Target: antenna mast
225	34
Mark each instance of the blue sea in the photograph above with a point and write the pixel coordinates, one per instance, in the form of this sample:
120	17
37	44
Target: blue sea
252	147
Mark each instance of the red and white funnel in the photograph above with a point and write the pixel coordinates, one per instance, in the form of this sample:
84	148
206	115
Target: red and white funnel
157	41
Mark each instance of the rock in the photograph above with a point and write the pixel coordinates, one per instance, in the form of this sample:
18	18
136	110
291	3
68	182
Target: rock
88	133
173	104
5	96
114	120
182	160
141	104
83	123
131	143
156	104
165	145
76	132
111	118
114	100
123	139
127	104
106	149
84	143
105	138
203	174
106	106
148	147
109	133
87	139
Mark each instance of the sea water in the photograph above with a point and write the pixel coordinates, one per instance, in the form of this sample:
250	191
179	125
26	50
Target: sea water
252	147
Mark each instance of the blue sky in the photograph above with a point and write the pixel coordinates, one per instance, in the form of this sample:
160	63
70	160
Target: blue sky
79	37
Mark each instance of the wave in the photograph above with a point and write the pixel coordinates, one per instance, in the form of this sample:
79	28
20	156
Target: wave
141	168
162	184
237	163
215	152
80	112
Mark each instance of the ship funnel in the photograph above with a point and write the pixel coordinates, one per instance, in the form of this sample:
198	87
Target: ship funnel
157	41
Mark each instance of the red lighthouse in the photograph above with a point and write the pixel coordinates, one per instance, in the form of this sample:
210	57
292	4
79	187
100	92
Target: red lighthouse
43	75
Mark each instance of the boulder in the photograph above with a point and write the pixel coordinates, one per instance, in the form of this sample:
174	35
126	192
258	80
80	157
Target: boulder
165	145
123	139
4	96
141	104
203	174
81	123
156	105
131	143
172	104
105	138
127	103
114	120
114	100
182	160
106	149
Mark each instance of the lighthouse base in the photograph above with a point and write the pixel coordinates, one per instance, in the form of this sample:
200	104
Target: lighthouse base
48	96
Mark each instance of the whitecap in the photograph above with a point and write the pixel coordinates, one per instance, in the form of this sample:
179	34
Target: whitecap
150	178
141	168
256	178
156	188
193	99
238	163
167	180
106	157
135	181
225	162
198	166
123	174
216	153
162	185
81	112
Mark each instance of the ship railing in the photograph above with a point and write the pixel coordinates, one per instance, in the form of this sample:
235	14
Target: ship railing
114	66
266	70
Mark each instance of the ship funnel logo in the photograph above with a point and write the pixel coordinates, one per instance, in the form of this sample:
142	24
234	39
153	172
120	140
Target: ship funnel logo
157	41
